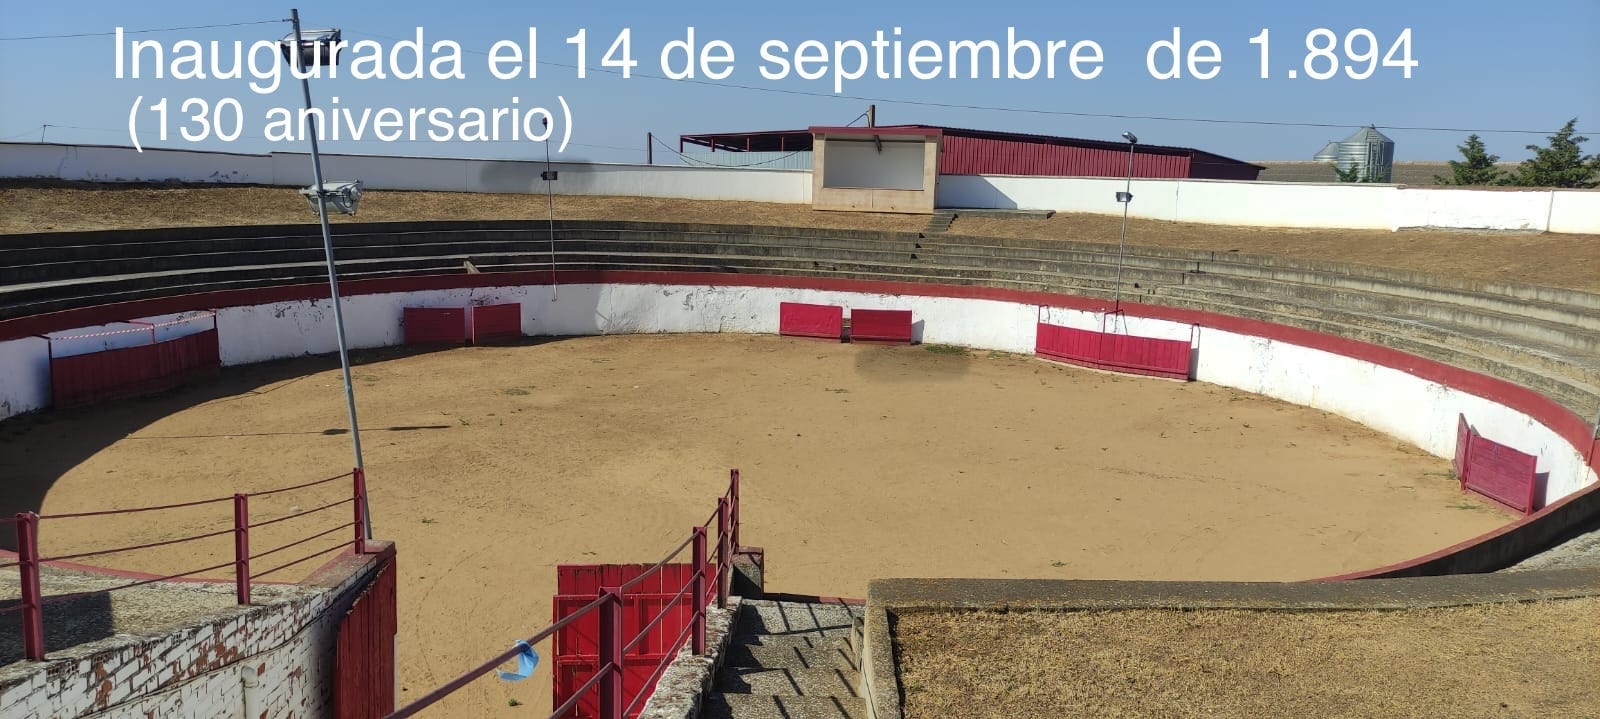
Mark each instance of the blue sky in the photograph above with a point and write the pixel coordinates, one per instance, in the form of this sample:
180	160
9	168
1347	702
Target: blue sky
1480	65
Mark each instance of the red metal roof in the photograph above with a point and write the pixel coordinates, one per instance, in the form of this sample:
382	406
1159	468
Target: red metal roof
990	152
897	130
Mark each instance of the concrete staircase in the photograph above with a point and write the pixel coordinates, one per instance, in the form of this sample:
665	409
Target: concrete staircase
790	660
939	222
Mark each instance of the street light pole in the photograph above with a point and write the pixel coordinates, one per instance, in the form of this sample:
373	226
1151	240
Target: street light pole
321	193
1126	198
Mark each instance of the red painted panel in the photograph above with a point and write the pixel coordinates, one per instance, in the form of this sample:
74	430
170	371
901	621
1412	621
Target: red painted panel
1502	474
798	319
576	647
434	325
1067	343
364	661
1463	447
571	674
1146	355
880	325
132	371
1111	351
496	322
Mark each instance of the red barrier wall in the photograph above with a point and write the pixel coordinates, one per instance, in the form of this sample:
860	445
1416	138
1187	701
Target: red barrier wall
364	658
496	322
577	646
1496	471
1113	351
435	325
130	371
880	325
797	319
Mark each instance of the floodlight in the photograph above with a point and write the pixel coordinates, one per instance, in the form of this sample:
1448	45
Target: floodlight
1124	197
316	47
342	195
1130	137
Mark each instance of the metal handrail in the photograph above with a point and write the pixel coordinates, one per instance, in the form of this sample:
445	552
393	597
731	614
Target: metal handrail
29	562
613	665
468	676
631	583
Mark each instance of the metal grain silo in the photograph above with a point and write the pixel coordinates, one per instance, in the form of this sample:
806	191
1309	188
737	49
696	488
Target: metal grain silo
1369	151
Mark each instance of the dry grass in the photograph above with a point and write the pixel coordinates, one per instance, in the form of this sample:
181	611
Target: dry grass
1506	660
1571	261
25	208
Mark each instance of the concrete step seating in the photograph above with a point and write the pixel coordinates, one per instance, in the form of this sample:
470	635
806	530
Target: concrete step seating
789	660
1545	338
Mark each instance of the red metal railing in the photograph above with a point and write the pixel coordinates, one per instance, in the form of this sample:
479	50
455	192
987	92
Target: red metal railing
700	589
29	562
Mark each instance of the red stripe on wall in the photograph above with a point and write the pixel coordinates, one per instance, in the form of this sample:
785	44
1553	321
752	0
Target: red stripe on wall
1567	424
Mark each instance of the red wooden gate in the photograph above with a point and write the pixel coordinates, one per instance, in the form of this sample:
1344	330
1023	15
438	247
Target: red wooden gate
364	664
577	646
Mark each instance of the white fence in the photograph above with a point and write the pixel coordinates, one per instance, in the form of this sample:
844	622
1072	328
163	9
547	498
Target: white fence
1260	204
1287	204
93	163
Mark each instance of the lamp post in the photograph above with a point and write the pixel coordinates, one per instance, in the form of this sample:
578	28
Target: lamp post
300	53
1125	197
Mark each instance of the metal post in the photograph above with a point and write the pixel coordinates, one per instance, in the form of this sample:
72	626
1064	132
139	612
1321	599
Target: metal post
611	705
333	272
28	571
872	116
241	547
359	485
550	205
733	509
1122	241
724	555
698	593
649	148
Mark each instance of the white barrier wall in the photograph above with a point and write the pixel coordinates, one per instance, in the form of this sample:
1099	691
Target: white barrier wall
516	176
122	164
99	163
1575	211
1417	411
1258	204
1286	204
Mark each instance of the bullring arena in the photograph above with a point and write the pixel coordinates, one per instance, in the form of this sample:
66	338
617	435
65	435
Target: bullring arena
1311	432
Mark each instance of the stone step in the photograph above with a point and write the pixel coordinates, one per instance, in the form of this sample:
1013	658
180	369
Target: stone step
1474	338
776	617
759	706
798	640
832	655
820	681
1492	318
1579	396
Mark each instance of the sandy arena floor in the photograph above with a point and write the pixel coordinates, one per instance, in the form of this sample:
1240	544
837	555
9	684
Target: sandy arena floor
490	465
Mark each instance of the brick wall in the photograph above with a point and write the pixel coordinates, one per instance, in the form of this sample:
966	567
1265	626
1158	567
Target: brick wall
267	661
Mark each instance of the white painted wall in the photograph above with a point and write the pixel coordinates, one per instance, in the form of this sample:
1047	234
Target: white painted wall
891	165
92	163
1286	204
1473	209
1575	211
1397	403
24	376
119	164
1257	204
